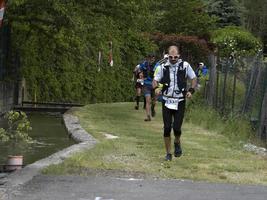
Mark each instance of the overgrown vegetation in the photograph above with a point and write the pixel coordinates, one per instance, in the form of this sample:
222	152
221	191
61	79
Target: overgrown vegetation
18	127
55	44
227	116
235	127
58	43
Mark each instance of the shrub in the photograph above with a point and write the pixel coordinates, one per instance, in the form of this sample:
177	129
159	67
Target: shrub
232	39
18	127
193	48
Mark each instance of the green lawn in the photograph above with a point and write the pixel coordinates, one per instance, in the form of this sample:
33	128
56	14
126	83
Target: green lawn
139	149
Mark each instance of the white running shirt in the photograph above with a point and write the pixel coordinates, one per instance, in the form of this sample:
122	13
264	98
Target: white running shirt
173	90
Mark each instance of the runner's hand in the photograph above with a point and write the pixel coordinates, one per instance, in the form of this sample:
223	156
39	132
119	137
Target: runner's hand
158	91
188	95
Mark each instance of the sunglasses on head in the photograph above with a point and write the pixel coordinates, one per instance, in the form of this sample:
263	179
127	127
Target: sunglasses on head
173	57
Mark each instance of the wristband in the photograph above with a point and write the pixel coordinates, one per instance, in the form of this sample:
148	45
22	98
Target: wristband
191	90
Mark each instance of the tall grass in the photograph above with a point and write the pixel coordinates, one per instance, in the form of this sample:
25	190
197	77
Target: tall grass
234	126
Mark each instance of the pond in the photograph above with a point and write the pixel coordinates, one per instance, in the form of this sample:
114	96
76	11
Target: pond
49	134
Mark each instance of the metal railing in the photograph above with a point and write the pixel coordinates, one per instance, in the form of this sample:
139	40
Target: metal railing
238	86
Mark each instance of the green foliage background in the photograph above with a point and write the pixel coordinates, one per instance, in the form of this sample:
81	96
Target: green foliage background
18	127
57	42
232	39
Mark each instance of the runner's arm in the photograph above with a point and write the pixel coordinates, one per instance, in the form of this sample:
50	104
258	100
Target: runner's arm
157	77
192	76
155	84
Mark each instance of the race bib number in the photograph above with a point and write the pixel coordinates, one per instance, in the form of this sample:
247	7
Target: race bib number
172	103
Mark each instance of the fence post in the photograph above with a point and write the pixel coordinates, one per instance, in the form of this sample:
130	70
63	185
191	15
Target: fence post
224	86
211	90
233	65
262	133
251	86
234	89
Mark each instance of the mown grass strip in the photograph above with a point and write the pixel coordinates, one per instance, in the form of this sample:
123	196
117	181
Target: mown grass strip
139	149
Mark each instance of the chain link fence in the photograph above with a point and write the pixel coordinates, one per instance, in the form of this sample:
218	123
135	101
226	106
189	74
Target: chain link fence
238	86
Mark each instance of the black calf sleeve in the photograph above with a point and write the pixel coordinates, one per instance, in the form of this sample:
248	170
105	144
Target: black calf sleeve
177	133
137	100
173	119
167	132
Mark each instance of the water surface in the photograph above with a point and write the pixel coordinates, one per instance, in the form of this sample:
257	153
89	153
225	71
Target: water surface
49	133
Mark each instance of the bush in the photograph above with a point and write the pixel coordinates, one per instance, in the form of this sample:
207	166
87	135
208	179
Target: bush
3	135
193	49
18	127
232	39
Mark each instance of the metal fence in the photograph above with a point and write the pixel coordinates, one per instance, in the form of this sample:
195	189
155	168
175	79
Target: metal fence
238	86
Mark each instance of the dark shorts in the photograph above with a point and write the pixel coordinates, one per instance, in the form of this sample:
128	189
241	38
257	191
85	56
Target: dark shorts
138	85
148	90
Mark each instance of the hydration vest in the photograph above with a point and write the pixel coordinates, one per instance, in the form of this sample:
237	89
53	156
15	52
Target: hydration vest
148	71
180	77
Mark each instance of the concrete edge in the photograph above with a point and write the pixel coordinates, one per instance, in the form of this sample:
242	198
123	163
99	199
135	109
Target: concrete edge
74	129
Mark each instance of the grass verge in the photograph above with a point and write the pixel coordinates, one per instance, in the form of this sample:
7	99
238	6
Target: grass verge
208	155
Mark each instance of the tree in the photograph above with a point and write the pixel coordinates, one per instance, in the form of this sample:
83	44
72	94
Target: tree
58	42
184	17
256	19
227	12
236	40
